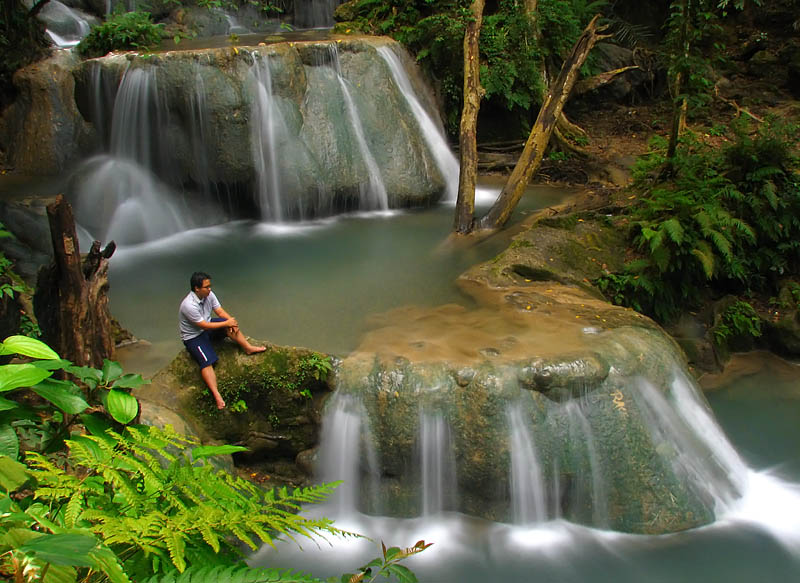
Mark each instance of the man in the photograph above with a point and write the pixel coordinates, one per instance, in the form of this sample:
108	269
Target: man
198	329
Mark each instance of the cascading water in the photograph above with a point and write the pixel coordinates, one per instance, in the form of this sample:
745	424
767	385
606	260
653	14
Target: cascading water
437	464
592	490
373	194
66	26
685	432
268	130
346	455
433	135
119	195
528	500
314	13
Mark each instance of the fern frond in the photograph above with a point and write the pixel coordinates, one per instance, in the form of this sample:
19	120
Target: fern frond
770	192
176	546
722	244
674	230
705	256
234	574
73	509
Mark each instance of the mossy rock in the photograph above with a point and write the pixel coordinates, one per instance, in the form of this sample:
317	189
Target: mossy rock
274	399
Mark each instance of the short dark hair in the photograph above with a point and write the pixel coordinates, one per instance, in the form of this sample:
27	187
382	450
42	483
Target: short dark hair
197	279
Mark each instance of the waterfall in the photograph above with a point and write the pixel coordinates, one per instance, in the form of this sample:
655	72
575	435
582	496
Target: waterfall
686	434
119	195
314	13
431	132
136	117
437	464
580	432
373	194
119	200
528	500
345	442
65	26
266	124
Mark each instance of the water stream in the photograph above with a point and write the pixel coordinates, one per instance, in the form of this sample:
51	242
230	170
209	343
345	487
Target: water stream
756	537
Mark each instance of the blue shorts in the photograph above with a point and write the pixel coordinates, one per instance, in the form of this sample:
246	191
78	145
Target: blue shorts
200	347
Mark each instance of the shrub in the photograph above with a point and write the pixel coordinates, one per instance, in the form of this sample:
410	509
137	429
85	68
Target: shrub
122	32
724	221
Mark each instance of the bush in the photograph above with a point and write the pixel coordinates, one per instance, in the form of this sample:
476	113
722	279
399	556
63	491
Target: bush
122	32
725	221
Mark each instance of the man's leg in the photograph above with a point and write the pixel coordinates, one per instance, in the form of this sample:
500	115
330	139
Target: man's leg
235	334
210	378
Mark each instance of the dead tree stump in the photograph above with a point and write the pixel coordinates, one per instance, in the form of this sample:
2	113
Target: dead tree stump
71	300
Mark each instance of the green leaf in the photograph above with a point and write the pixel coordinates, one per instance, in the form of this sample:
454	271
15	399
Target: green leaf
61	549
60	574
105	560
59	395
9	443
6	404
96	424
55	364
112	370
14	376
205	451
12	473
90	376
403	574
27	346
122	406
130	381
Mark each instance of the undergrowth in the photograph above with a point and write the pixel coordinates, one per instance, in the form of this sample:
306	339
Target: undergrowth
724	221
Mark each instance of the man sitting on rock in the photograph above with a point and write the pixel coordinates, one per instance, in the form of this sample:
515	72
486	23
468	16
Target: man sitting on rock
198	329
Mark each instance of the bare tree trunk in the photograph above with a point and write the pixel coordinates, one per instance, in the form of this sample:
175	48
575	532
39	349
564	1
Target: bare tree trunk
680	106
542	129
468	136
72	296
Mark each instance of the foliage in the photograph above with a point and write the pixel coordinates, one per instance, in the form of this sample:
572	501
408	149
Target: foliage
725	221
280	376
387	565
739	320
22	41
159	511
122	31
10	282
511	52
143	503
41	423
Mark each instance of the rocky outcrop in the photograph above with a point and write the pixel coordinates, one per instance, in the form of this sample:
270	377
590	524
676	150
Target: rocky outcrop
42	132
316	122
274	403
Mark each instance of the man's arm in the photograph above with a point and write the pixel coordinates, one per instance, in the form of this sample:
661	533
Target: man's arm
230	321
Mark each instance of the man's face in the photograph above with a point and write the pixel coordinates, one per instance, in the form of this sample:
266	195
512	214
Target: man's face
205	289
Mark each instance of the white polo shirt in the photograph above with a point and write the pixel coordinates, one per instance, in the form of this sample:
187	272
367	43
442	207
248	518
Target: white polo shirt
194	310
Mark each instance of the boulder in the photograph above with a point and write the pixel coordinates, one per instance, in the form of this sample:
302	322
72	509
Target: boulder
42	132
274	400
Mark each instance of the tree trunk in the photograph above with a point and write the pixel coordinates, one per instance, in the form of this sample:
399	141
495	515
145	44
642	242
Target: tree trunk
468	139
72	296
680	104
542	129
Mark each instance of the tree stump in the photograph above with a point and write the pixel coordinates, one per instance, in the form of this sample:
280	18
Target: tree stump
71	300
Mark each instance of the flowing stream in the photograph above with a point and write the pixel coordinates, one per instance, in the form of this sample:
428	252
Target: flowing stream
756	537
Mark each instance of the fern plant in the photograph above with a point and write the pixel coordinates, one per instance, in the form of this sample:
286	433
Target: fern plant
141	492
724	221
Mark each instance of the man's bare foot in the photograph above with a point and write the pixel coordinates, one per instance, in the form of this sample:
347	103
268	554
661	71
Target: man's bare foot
255	349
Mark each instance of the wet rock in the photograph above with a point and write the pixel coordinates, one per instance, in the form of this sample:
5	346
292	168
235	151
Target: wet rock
273	400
